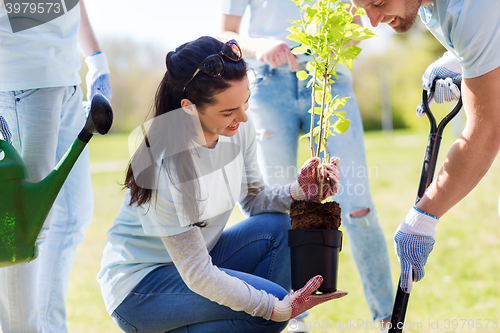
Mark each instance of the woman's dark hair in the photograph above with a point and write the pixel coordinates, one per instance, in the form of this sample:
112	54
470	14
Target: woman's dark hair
170	137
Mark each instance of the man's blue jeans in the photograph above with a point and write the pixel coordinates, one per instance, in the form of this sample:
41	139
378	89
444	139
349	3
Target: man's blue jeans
279	107
254	250
44	123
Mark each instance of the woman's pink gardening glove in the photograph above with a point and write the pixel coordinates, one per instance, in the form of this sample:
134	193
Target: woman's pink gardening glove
331	178
302	300
306	185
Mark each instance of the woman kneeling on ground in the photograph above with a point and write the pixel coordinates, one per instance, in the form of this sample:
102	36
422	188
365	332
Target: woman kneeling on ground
169	265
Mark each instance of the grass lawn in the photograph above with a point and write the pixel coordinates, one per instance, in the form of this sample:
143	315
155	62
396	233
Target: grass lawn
459	293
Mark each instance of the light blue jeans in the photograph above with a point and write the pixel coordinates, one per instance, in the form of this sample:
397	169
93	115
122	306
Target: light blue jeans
278	108
44	124
254	250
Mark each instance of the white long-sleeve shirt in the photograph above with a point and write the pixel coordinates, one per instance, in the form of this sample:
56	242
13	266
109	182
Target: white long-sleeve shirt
159	233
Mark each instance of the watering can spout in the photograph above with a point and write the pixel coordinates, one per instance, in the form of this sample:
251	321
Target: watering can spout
24	205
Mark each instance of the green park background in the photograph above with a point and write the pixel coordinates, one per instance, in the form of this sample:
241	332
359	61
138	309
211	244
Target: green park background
460	290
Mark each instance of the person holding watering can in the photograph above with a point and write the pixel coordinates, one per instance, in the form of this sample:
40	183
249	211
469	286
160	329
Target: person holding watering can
41	100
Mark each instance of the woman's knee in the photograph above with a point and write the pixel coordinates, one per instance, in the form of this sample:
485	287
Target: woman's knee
123	324
279	222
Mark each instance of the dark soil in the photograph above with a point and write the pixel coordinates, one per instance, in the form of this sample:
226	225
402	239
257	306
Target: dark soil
314	215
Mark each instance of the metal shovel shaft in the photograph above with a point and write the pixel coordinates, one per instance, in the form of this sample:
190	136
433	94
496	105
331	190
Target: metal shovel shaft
427	174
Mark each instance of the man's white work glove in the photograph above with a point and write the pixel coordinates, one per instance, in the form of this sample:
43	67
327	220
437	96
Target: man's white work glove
413	242
98	76
306	185
4	130
448	72
302	300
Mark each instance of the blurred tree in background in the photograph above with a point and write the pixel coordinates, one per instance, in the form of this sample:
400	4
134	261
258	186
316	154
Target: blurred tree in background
137	68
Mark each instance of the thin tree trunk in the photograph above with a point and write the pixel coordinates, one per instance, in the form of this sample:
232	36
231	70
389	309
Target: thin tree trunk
311	141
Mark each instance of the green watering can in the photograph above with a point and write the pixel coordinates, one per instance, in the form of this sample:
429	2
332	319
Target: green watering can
24	205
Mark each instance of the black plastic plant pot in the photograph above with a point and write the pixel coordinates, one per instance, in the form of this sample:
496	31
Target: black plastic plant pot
315	252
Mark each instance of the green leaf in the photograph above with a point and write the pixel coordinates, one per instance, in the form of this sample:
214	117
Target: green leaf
294	37
316	131
328	97
360	33
350	52
294	29
333	73
302	75
330	132
359	12
341	126
300	37
317	110
310	66
310	13
328	114
339	102
308	135
300	50
295	22
318	96
310	83
335	22
312	28
340	114
346	62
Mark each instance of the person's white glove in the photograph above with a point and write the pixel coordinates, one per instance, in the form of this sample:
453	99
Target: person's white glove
413	242
302	300
4	130
306	185
98	76
448	73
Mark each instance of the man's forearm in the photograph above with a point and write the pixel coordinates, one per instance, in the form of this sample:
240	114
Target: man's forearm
465	165
474	151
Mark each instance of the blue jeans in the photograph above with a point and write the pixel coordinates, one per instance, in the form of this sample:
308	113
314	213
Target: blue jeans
278	108
254	250
44	124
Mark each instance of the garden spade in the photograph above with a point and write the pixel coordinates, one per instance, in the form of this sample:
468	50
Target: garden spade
431	154
24	205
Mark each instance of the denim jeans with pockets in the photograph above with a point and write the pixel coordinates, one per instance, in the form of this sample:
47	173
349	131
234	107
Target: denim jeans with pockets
254	250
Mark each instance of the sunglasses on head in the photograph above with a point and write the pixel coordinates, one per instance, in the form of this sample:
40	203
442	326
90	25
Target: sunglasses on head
213	65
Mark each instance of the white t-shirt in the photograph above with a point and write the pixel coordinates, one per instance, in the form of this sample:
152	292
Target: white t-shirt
42	56
469	29
268	18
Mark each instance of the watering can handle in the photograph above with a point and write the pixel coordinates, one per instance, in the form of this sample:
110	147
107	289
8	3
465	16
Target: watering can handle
99	120
13	167
7	148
